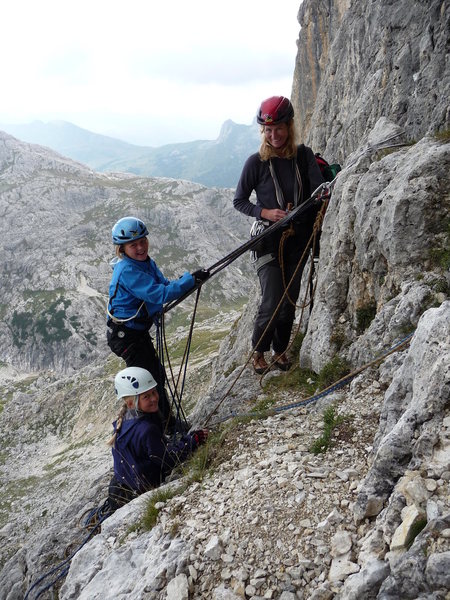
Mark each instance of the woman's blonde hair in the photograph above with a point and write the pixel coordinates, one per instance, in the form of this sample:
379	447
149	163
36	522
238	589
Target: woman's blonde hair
289	150
119	419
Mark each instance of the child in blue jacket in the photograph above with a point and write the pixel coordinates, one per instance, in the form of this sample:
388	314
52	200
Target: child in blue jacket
137	292
143	457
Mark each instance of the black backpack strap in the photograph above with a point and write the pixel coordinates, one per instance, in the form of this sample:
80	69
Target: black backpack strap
302	162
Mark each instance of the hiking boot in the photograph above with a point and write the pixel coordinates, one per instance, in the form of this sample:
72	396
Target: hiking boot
281	362
259	363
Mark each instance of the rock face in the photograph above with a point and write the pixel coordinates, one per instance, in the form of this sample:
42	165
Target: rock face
359	61
386	221
369	518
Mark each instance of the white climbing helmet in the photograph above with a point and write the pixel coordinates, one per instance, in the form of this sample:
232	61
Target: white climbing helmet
133	381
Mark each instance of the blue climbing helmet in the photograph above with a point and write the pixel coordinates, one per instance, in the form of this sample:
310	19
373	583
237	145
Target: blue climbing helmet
128	229
133	381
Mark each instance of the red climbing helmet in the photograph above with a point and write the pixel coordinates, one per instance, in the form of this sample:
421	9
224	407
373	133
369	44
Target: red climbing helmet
276	109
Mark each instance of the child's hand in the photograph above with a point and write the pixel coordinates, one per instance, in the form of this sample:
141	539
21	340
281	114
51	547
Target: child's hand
200	436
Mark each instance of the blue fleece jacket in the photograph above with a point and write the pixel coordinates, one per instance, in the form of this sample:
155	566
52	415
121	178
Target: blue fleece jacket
134	282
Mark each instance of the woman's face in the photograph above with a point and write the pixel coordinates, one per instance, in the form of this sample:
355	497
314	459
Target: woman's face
148	401
276	135
137	250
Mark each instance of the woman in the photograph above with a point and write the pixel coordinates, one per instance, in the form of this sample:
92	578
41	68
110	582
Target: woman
283	175
137	292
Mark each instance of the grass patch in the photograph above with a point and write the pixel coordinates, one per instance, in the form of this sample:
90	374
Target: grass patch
332	372
331	421
307	381
406	329
443	136
260	410
297	344
207	457
387	151
440	286
440	256
150	515
296	379
338	338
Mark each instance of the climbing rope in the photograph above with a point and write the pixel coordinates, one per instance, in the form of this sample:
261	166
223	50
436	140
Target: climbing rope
332	388
64	566
310	245
282	299
176	390
324	190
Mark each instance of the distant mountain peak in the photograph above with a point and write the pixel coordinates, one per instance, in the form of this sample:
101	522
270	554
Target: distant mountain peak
214	163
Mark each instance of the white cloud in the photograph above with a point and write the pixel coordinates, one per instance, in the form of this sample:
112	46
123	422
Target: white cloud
149	72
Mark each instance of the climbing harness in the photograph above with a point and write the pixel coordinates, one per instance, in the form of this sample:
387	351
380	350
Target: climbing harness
119	321
323	190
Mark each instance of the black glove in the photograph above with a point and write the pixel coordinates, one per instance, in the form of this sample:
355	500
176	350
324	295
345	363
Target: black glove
201	275
200	436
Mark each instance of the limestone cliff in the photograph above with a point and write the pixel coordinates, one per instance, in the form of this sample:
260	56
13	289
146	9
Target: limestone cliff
361	60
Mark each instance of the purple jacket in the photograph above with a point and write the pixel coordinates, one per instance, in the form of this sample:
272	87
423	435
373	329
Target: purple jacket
142	457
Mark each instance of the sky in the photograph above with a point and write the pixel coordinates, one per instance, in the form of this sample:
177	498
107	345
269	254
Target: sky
144	71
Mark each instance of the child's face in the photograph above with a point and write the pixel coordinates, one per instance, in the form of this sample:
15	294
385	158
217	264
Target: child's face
137	250
148	401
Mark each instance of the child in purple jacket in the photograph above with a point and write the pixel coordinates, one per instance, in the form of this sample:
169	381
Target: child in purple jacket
143	457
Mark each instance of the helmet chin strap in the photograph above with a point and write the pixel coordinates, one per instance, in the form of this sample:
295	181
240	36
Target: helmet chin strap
136	402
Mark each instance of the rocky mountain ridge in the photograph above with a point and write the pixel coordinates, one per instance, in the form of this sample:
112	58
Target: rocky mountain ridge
56	249
214	163
367	519
398	484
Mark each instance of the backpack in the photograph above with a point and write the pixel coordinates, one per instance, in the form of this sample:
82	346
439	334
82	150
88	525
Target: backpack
328	171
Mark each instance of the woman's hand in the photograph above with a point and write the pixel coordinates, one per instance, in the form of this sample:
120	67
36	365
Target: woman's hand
273	214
